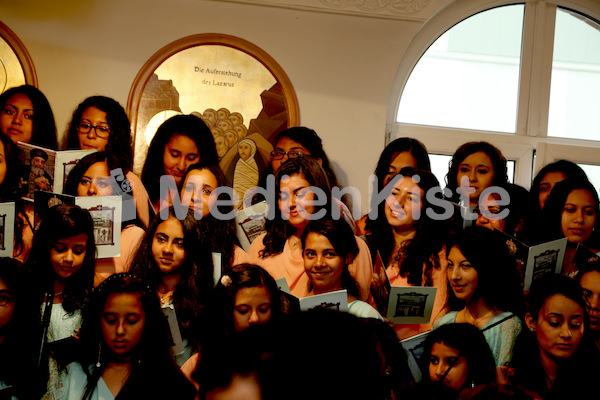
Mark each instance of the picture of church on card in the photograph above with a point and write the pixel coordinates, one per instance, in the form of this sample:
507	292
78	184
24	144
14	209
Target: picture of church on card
7	228
337	301
411	304
106	212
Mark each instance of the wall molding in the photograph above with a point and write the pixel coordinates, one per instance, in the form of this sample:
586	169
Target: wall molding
411	10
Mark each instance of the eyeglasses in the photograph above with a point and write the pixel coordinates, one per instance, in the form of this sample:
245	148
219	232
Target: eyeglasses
102	131
278	154
5	299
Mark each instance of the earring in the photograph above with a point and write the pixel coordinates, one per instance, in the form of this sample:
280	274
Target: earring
98	364
532	328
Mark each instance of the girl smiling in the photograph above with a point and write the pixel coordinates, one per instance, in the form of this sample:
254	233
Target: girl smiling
329	247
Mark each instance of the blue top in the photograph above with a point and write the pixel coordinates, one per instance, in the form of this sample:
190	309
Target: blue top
500	332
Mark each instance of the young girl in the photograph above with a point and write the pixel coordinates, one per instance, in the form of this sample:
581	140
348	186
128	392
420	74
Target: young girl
484	289
328	248
476	166
91	177
410	241
62	260
458	356
100	123
490	210
179	142
571	211
26	116
541	187
125	347
178	270
400	153
279	251
245	296
216	234
553	357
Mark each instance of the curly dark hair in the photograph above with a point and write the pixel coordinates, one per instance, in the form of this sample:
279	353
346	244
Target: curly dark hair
44	126
279	230
119	140
498	282
420	250
495	155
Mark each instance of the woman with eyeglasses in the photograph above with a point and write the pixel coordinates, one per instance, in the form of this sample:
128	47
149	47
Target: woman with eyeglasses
302	141
100	123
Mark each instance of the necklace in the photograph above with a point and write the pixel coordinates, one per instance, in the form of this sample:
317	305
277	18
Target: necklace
164	299
475	321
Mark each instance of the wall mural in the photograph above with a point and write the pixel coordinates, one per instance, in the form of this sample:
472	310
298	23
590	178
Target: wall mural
240	92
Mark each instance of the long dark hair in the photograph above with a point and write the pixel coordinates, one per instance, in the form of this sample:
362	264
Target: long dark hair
341	237
188	125
238	277
17	352
551	226
528	368
279	230
397	146
469	341
153	350
533	217
495	155
217	235
119	141
60	222
44	126
196	284
423	248
498	282
8	187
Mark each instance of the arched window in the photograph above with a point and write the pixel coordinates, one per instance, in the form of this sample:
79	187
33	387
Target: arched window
522	76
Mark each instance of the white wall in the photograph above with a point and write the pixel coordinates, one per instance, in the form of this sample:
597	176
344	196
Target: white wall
342	67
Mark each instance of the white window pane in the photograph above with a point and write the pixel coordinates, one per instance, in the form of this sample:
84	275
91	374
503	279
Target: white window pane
574	100
593	174
469	77
441	162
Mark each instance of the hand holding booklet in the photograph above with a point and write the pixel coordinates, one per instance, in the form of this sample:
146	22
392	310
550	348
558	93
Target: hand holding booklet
538	260
401	304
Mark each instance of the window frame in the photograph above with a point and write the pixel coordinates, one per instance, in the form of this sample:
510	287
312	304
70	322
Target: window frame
529	146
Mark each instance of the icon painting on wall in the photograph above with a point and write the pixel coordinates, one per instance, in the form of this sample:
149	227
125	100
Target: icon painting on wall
240	92
16	65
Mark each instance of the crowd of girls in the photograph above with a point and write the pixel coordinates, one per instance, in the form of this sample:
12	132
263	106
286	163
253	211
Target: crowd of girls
185	312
